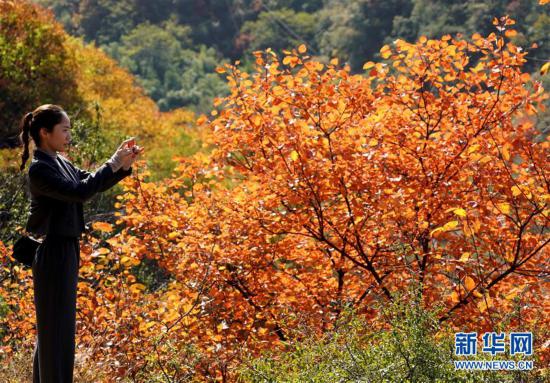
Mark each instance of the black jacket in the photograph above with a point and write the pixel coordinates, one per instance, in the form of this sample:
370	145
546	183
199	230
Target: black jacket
58	189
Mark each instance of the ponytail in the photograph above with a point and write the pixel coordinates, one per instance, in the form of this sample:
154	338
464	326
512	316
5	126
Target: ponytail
24	137
45	116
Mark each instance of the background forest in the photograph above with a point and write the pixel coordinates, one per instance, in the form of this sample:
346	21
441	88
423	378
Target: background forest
330	189
173	46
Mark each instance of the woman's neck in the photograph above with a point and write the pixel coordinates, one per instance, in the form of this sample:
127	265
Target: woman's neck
50	152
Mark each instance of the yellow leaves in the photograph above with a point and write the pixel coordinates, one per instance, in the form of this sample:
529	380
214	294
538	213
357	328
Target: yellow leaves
477	294
457	210
485	159
341	106
485	303
373	142
294	155
506	151
170	316
448	226
514	292
473	148
129	262
455	298
220	69
544	69
464	257
278	90
478	68
325	142
102	226
519	190
137	288
435	231
385	52
469	283
144	326
292	61
509	256
543	2
222	326
334	61
256	119
102	251
313	66
504	207
368	65
302	49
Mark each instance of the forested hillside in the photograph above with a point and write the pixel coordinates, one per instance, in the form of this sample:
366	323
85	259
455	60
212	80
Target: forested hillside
172	46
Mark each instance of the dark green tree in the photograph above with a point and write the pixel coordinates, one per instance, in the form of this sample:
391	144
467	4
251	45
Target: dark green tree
171	70
279	29
354	31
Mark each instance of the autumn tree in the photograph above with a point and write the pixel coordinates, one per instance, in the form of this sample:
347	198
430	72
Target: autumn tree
327	189
33	52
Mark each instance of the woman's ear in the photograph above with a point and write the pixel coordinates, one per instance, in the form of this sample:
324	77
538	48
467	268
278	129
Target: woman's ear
43	133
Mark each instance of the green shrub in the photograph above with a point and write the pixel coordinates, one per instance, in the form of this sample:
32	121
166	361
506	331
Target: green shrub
413	348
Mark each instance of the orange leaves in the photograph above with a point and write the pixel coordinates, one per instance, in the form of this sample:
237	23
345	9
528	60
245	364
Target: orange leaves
102	226
469	283
292	61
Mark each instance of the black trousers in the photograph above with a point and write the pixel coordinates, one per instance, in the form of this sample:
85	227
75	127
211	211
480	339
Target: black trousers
55	276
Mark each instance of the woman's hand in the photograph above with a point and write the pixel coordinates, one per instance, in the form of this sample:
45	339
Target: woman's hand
128	161
122	156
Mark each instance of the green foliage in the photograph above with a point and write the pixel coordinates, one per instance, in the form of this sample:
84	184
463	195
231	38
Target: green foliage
105	20
354	31
172	73
412	348
279	29
14	205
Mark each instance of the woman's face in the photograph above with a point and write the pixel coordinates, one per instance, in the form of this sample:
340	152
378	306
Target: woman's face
60	136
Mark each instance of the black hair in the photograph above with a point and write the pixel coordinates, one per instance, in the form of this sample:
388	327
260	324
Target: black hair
45	116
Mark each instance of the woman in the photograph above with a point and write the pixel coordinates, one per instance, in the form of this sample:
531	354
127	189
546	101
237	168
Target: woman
58	190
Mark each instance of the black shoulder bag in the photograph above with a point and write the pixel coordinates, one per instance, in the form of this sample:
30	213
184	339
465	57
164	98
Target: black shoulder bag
25	248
